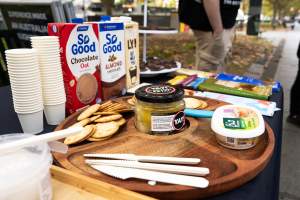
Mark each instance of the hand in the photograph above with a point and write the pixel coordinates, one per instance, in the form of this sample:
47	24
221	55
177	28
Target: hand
217	32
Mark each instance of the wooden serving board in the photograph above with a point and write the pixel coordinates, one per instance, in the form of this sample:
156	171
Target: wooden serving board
67	185
228	168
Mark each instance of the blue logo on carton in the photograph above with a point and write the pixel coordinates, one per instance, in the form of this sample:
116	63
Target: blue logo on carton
82	28
83	45
112	44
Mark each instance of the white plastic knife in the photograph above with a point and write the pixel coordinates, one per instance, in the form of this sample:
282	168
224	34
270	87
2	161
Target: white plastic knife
174	169
126	173
153	159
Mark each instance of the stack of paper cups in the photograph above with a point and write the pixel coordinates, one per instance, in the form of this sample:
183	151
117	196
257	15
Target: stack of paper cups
54	96
23	70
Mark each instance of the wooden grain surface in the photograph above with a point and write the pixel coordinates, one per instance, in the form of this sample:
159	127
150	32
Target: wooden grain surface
229	168
67	185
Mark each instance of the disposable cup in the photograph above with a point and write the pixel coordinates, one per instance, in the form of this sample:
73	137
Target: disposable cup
17	66
20	62
31	122
20	80
51	51
54	96
55	113
36	44
20	51
28	106
24	57
26	86
49	57
54	102
53	66
52	76
20	56
31	85
22	71
20	92
51	73
27	109
47	38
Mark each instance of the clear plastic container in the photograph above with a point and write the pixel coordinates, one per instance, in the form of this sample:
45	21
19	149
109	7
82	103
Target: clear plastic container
24	174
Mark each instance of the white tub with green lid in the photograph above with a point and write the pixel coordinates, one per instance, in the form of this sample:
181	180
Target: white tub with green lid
237	127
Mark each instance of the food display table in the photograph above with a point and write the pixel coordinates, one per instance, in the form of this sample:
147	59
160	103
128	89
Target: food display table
264	186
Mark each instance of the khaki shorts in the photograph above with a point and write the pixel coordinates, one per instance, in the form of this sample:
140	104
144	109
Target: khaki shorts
210	51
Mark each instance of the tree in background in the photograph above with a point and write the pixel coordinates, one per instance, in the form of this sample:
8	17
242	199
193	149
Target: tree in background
281	8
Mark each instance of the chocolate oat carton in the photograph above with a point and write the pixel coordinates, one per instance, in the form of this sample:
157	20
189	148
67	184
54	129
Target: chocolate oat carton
79	50
112	58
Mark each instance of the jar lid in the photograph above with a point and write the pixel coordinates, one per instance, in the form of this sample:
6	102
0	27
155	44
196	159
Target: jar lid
159	93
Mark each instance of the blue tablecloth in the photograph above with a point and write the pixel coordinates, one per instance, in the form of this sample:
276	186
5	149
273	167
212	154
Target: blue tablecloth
265	186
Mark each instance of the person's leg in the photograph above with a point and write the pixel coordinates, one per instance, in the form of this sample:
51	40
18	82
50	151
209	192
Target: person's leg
228	36
294	116
295	95
203	57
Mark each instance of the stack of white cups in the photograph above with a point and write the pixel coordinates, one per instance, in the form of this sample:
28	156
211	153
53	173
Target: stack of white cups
54	96
23	69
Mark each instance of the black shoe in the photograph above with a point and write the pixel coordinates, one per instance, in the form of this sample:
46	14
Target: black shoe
294	119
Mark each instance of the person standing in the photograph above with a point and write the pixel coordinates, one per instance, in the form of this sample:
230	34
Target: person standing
294	116
212	22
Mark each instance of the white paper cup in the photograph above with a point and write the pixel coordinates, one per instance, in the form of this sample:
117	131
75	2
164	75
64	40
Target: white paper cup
28	110
46	37
20	51
31	122
55	113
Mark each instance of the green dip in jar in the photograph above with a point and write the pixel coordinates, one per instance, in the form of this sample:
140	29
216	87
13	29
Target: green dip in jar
159	109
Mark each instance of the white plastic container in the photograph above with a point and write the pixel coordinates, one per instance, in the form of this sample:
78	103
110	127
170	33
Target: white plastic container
24	174
237	127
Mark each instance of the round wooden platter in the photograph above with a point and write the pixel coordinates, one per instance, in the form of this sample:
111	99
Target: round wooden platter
229	169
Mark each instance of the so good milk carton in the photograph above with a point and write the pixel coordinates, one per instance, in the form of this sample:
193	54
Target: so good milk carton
79	48
112	58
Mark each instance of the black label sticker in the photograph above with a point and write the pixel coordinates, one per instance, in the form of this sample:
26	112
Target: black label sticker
179	121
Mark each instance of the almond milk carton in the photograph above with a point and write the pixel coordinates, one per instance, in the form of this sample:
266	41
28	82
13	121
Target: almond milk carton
131	51
79	49
112	58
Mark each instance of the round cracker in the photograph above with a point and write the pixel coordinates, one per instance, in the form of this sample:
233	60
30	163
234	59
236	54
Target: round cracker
105	129
105	113
108	118
88	112
121	121
132	101
91	139
203	104
84	134
192	103
94	118
82	122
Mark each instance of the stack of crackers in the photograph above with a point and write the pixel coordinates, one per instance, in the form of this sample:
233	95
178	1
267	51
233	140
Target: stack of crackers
100	122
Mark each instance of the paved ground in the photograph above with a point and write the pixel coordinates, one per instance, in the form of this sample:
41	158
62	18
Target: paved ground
290	158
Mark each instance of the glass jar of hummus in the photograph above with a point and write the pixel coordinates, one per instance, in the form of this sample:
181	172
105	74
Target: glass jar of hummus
159	109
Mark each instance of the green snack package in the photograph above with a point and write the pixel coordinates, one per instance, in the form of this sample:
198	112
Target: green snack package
235	88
